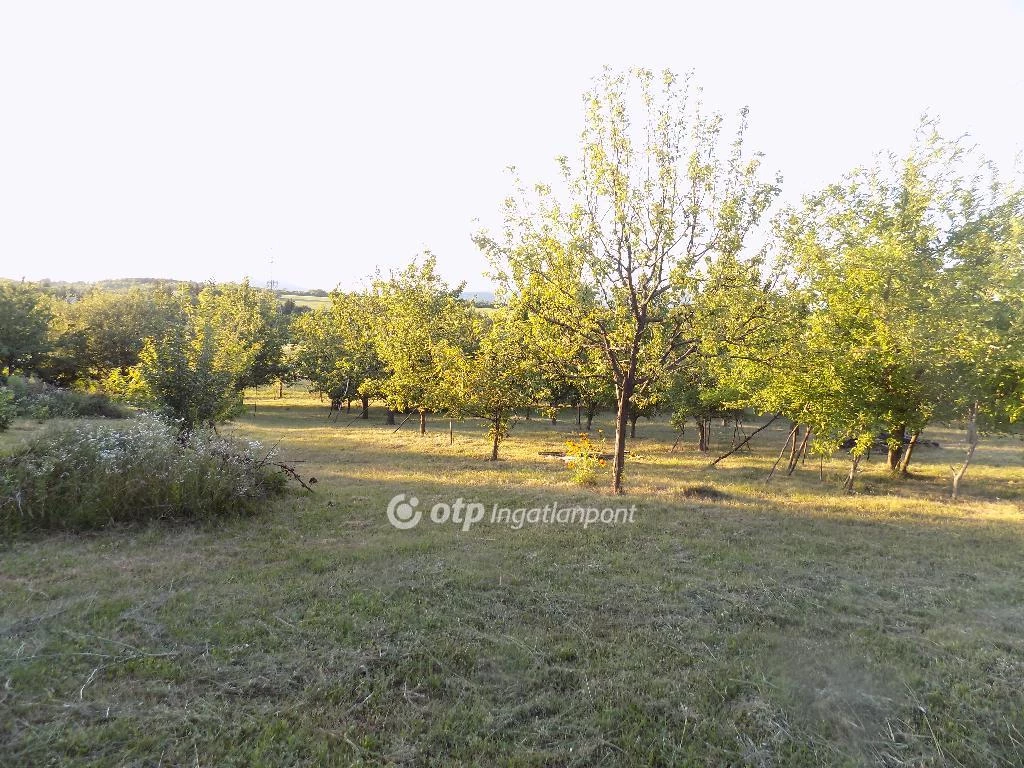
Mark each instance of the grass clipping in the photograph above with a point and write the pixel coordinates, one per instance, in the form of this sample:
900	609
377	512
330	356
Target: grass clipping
91	474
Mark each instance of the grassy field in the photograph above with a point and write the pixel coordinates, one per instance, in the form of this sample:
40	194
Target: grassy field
324	302
732	623
313	302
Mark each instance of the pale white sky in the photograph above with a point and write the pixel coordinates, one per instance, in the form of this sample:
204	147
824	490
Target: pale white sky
198	139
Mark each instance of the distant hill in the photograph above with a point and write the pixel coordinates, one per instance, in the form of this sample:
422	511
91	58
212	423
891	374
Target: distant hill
117	285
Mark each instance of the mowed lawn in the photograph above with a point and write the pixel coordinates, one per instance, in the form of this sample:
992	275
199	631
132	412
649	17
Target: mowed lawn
732	623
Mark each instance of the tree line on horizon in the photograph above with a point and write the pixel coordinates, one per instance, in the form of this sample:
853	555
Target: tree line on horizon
887	301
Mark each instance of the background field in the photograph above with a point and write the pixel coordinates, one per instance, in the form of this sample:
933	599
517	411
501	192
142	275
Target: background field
324	302
313	302
734	623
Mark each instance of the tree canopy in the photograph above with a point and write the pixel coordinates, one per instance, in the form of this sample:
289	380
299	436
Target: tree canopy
621	257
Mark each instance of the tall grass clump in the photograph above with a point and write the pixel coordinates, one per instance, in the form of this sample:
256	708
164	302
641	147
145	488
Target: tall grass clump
88	475
35	399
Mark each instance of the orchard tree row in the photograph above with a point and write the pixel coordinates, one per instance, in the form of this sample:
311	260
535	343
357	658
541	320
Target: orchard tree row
652	277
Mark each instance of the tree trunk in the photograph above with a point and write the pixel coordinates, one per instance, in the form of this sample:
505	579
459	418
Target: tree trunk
703	427
905	461
848	484
621	420
366	407
972	444
895	453
632	426
423	422
579	414
494	444
793	451
591	412
348	406
451	432
800	452
280	389
806	446
527	414
389	417
791	438
554	414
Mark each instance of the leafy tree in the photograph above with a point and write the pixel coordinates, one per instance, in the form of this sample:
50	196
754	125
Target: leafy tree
24	318
422	329
696	392
652	207
336	352
286	373
318	355
904	269
984	371
567	371
257	324
95	338
358	313
186	377
114	326
591	382
195	370
501	376
66	358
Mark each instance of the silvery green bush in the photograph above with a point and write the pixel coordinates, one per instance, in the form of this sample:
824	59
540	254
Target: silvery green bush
91	474
35	399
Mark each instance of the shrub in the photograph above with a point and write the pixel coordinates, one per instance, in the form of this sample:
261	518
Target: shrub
21	387
125	387
87	475
37	400
8	410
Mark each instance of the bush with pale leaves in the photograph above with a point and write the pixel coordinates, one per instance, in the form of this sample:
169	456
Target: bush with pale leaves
92	474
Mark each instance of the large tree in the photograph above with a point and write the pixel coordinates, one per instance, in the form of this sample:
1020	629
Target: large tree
114	325
422	329
907	269
500	376
335	349
24	319
619	259
96	337
196	369
252	317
